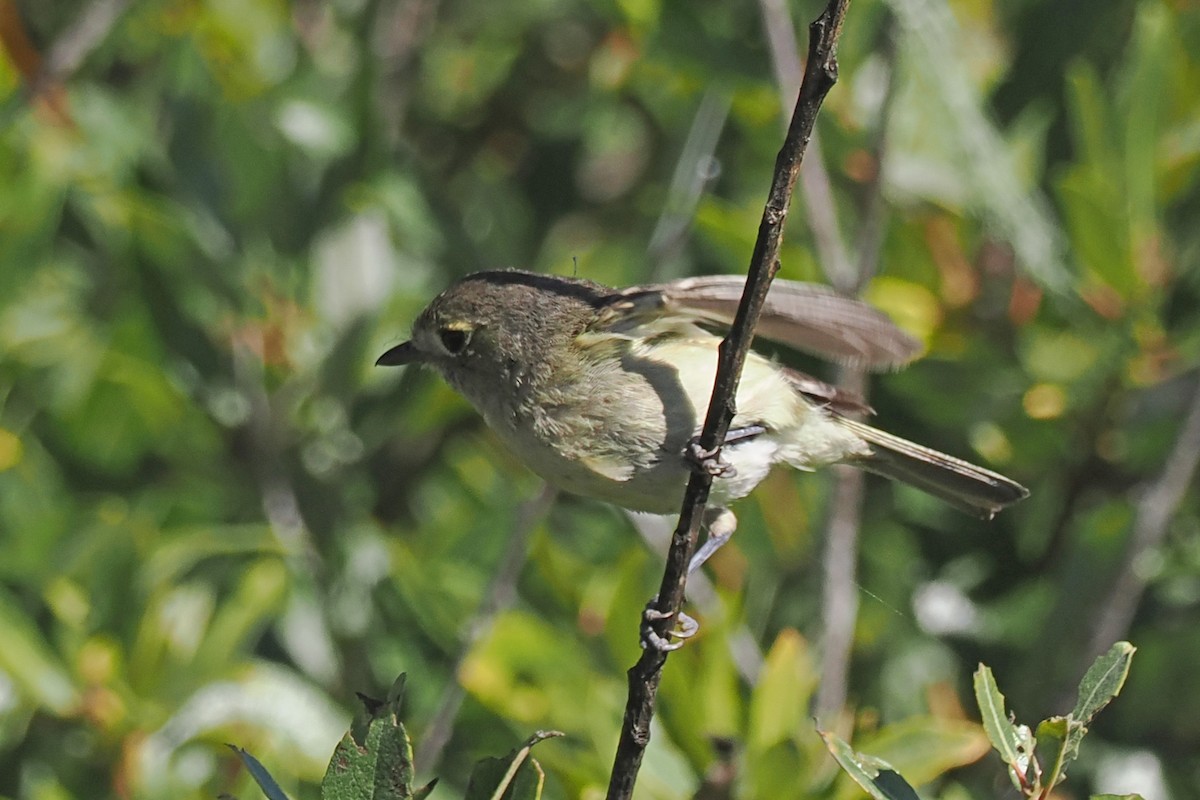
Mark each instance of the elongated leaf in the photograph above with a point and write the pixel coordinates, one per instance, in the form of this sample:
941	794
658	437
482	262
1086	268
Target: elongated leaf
782	693
1103	681
1052	747
1014	742
923	748
1000	730
875	775
261	776
513	777
30	662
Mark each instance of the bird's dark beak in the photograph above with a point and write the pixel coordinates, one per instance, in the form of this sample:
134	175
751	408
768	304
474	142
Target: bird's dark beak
398	356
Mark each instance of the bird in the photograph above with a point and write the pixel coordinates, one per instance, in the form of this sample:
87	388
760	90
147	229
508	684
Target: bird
602	391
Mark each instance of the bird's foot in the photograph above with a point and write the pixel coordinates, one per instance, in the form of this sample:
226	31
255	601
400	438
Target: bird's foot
710	462
651	638
720	523
707	462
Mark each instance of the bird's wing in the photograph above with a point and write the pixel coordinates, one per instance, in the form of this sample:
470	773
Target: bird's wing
826	395
806	316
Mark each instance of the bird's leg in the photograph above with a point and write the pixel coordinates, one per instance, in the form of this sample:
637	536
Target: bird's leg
663	644
710	461
720	524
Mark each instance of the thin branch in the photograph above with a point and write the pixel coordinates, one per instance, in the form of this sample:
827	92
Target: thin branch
1154	512
694	170
645	675
819	206
500	595
874	219
839	561
86	34
747	656
839	571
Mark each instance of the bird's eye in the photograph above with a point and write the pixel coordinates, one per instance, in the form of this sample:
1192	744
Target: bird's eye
454	340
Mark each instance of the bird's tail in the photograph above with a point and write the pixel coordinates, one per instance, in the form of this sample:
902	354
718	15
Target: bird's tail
972	489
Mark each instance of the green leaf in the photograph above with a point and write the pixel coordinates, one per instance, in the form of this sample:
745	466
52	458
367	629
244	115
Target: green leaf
1116	797
260	774
513	777
1053	737
1003	734
923	748
1147	69
782	693
873	774
374	759
1014	742
30	662
1103	681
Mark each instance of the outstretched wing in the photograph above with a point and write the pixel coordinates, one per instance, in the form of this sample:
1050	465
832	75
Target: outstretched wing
806	316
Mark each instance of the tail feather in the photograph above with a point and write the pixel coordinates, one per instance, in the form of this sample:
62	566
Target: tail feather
969	488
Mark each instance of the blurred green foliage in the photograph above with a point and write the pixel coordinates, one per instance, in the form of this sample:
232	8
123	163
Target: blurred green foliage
218	521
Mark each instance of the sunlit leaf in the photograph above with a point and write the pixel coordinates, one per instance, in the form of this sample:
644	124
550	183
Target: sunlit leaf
30	662
873	774
1052	748
779	704
516	776
374	759
923	748
1103	681
1004	735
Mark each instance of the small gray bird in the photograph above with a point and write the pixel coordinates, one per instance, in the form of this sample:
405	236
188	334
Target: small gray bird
601	391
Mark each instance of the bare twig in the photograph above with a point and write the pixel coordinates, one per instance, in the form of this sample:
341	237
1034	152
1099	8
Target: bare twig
693	172
747	656
839	562
839	600
1020	213
819	207
500	595
1155	509
839	570
644	676
87	33
874	219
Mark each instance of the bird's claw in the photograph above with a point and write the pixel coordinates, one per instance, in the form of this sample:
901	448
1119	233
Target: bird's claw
708	462
663	644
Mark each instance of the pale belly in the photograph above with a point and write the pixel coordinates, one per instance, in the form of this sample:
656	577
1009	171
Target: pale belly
658	484
625	444
656	489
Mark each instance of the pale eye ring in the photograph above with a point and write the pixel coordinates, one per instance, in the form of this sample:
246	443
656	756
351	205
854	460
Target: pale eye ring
454	340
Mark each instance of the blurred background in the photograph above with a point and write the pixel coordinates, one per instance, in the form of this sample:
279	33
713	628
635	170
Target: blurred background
218	521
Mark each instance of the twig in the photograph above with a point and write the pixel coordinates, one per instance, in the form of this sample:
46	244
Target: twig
86	34
1154	511
839	583
644	676
743	647
839	561
688	182
819	207
1023	215
693	172
500	595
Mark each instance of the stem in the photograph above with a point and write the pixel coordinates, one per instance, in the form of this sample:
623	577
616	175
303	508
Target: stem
644	677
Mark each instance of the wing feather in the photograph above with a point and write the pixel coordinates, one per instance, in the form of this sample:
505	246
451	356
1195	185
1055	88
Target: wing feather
806	316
